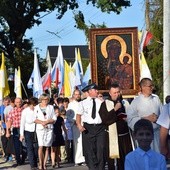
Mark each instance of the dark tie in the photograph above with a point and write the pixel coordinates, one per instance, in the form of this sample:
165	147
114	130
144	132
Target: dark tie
94	109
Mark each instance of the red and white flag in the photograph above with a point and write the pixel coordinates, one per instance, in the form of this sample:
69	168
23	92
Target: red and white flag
46	79
57	73
144	39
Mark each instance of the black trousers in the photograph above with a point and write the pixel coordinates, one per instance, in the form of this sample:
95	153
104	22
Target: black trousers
69	150
19	148
125	146
7	144
32	148
94	146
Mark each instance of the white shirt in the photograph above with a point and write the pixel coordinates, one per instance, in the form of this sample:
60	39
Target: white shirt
143	106
7	109
164	118
85	109
72	110
50	114
27	121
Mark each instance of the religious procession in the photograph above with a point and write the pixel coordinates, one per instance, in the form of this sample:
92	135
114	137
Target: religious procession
106	118
88	129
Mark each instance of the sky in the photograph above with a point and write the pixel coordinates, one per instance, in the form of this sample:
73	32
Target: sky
67	34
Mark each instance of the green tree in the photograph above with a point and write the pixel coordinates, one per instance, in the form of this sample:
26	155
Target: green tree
17	16
80	24
105	6
154	51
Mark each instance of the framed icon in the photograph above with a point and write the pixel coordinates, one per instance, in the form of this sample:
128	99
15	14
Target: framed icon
114	58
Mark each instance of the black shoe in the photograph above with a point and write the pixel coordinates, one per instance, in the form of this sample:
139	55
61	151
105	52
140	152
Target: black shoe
19	163
23	162
15	165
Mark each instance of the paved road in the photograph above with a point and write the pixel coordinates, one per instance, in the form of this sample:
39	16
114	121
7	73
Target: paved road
64	166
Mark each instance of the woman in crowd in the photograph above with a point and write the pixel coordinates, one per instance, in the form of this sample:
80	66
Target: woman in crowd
7	143
65	103
58	138
44	118
27	131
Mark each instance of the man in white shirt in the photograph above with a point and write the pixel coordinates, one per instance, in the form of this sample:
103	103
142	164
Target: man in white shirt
77	136
27	132
9	108
146	106
93	131
164	122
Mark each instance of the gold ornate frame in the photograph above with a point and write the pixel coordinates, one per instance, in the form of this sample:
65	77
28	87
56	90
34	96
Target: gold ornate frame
106	67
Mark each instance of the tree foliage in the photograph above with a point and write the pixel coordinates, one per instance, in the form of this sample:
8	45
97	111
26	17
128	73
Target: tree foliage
105	6
16	16
154	52
110	6
80	24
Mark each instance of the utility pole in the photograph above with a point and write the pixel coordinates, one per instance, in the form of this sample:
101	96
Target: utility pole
147	19
166	48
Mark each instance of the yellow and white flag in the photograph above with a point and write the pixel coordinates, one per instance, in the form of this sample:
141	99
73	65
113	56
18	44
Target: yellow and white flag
67	86
4	87
17	83
144	69
79	61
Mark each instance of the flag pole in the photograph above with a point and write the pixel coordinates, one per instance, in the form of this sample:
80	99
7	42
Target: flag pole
50	91
166	50
24	89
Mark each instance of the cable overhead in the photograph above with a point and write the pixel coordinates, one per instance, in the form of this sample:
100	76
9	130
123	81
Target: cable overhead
70	23
68	27
53	33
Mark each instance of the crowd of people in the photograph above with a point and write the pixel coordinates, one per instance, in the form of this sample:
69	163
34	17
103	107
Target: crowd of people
88	129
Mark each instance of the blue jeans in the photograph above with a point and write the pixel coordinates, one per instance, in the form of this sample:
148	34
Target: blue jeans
32	148
19	149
